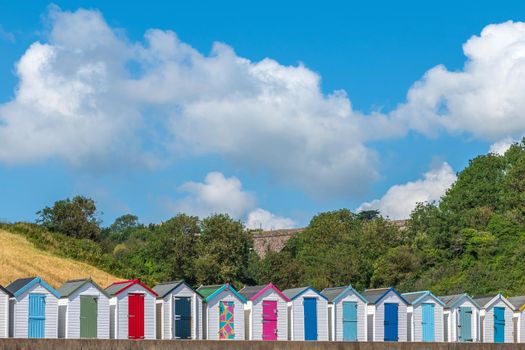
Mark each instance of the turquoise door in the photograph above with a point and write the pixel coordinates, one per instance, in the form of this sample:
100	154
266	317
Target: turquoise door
499	325
37	315
349	321
465	324
427	322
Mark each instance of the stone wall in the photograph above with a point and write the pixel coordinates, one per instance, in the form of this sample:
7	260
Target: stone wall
274	241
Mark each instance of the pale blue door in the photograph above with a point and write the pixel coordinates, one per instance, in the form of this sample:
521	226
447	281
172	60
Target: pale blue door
349	321
465	324
427	321
37	315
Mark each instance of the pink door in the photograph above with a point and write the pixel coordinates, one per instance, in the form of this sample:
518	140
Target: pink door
269	319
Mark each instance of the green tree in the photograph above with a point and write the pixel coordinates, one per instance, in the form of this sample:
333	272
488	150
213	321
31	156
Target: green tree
223	251
77	217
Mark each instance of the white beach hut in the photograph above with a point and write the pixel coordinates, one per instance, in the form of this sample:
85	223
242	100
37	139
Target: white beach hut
347	310
424	317
83	310
460	318
308	314
33	309
132	310
266	316
223	312
496	319
387	315
179	311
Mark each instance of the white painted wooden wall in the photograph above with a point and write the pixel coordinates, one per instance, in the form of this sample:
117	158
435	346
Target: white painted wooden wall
488	324
417	319
196	312
121	322
212	315
72	321
21	313
255	320
337	317
297	317
4	315
379	332
453	320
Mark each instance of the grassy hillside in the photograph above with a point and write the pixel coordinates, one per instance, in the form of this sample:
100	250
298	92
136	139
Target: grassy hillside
20	258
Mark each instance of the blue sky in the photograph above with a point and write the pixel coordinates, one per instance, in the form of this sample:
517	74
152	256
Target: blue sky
272	142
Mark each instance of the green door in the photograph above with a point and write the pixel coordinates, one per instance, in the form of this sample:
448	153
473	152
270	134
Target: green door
88	317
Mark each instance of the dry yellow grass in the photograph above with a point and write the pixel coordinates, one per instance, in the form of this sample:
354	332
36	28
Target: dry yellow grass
19	258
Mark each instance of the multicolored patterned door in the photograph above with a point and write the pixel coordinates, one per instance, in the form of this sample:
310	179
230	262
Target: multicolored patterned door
226	320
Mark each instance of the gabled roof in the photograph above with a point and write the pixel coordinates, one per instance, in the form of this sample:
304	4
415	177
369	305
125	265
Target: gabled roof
518	302
374	296
21	285
415	298
5	291
163	289
119	287
488	300
254	292
451	300
334	294
294	293
210	292
70	287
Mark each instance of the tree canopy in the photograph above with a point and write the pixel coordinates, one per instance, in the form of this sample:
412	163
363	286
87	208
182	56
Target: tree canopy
472	240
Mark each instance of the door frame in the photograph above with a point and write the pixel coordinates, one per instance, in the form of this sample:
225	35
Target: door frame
141	324
385	320
315	323
432	306
95	298
221	304
174	315
468	310
355	304
36	318
274	304
502	309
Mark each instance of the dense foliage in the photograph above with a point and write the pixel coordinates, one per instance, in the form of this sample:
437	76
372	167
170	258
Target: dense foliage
473	240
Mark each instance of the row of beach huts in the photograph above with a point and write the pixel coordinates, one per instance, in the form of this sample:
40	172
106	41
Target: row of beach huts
31	308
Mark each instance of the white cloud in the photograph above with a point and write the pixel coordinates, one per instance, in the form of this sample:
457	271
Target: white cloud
486	99
501	146
399	201
88	95
263	219
220	194
217	194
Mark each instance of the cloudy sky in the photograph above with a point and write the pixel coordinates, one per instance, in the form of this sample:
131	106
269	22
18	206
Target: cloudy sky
269	113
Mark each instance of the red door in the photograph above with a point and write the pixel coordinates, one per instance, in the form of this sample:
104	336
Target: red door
269	319
136	316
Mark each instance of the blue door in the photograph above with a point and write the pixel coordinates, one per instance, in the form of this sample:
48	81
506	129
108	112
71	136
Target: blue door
391	322
310	318
37	315
349	321
465	324
499	325
427	322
